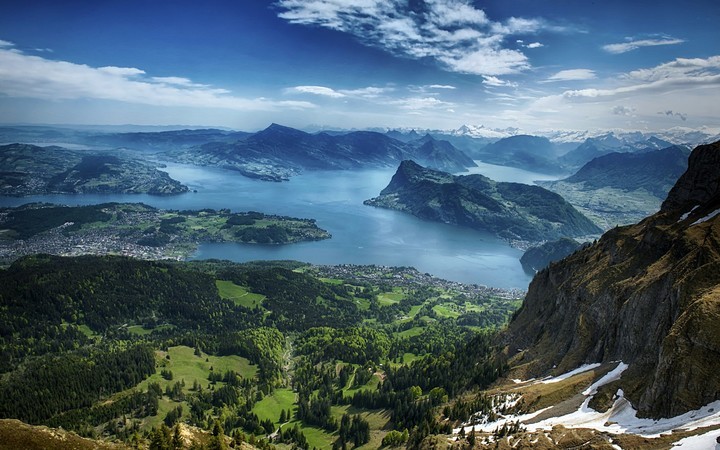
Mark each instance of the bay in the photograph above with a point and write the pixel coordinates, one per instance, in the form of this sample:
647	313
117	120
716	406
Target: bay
361	234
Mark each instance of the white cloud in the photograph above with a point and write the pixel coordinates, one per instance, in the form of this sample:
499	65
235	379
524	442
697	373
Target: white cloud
497	82
573	75
365	92
534	45
316	90
630	45
178	81
454	33
684	89
441	86
680	68
420	103
4	44
30	76
487	62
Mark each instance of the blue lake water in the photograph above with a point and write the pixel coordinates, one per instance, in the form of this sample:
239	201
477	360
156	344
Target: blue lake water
361	234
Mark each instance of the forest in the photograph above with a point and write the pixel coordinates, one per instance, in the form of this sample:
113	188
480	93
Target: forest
274	353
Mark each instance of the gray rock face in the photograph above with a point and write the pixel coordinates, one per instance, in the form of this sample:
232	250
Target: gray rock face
700	183
646	294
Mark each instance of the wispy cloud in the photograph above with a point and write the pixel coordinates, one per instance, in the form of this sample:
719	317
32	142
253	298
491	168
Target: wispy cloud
634	44
667	90
572	75
364	92
681	73
497	82
452	32
421	103
30	76
315	90
441	86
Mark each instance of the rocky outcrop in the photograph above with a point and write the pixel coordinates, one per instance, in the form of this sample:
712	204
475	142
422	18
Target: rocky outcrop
646	294
512	211
700	183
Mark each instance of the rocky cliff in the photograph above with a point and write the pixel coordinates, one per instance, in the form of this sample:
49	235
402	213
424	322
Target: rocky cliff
647	294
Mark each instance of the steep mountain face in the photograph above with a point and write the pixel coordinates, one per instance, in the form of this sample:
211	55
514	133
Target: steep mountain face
532	153
278	152
647	294
655	171
537	258
510	210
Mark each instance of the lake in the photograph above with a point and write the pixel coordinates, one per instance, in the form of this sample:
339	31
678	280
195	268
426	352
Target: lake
361	234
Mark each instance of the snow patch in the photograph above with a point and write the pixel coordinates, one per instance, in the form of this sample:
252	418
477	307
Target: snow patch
706	218
706	440
609	377
620	418
581	369
687	214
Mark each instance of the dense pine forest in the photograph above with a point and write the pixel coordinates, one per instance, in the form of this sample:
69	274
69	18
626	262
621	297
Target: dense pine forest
272	353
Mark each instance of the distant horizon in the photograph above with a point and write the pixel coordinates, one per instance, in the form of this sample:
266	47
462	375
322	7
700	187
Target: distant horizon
315	128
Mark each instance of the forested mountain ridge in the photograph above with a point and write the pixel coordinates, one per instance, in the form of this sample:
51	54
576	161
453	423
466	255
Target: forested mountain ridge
115	347
513	211
645	294
279	152
31	170
655	171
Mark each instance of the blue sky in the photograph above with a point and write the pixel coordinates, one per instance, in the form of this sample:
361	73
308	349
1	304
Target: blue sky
534	65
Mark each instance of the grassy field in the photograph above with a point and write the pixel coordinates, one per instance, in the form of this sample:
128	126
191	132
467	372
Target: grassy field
238	294
185	365
371	384
414	331
447	310
271	406
391	298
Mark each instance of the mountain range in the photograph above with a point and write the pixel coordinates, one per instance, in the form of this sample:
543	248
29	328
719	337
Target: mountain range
622	188
645	294
279	152
512	211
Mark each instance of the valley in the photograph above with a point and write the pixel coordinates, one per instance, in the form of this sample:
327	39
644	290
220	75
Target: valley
362	344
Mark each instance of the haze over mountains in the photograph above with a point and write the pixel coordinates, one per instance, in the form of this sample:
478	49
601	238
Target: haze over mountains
278	152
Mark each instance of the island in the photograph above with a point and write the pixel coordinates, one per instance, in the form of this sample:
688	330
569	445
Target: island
34	170
139	230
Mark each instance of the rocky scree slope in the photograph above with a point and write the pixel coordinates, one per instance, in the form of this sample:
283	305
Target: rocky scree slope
647	294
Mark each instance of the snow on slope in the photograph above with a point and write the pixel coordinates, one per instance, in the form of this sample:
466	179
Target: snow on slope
620	418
